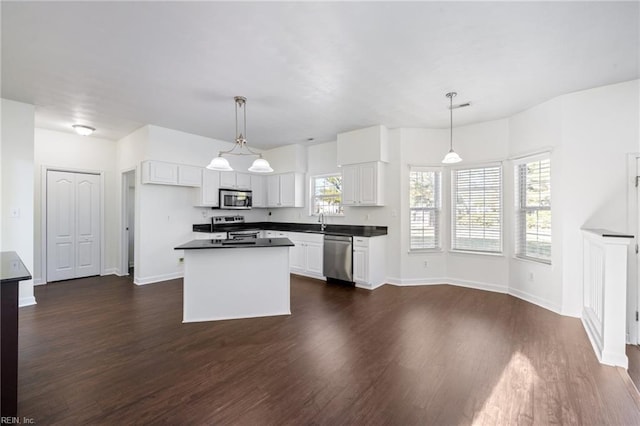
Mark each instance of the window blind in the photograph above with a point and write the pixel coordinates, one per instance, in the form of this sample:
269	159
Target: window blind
477	209
424	208
533	216
327	195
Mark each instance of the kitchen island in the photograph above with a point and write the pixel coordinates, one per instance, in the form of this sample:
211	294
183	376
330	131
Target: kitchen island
229	279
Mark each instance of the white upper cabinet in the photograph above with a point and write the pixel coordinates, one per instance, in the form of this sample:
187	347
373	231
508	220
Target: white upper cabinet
362	184
189	175
243	180
258	191
159	172
285	190
163	173
208	195
235	180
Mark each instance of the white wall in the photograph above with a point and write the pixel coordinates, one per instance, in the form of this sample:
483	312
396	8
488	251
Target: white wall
480	144
532	131
16	157
419	147
71	152
599	129
130	151
288	158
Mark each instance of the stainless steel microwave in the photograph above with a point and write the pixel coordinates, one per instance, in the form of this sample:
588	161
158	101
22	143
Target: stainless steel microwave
235	199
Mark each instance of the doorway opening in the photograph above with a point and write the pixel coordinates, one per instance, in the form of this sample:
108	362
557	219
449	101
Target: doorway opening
128	222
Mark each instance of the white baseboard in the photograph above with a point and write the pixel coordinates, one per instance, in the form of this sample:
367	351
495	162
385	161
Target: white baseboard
370	287
26	301
110	271
157	278
543	303
416	281
496	288
527	297
447	281
39	281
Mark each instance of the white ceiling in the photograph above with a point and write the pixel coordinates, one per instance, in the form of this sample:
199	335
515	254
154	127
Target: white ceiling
308	70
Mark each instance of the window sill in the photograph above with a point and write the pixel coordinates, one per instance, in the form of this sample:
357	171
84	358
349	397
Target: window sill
480	253
426	251
532	260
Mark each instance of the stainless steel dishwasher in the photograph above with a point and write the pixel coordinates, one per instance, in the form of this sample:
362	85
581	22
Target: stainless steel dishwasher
338	257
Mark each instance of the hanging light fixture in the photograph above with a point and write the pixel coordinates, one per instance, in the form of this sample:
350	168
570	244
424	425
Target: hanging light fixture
260	165
451	156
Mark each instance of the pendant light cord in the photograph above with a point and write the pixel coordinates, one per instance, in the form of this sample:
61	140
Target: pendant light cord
451	122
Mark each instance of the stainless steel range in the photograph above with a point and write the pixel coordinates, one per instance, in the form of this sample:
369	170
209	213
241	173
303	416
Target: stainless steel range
237	234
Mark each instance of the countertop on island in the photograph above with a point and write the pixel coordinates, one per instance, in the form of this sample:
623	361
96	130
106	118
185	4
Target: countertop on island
11	268
223	244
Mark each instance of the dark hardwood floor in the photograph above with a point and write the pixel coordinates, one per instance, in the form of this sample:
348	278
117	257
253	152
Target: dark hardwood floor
104	351
633	353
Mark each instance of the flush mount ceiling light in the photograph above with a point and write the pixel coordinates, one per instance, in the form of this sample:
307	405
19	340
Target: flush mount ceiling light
260	165
83	130
451	156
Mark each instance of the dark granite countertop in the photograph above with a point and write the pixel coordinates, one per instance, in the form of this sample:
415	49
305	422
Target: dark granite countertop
349	230
606	233
11	268
222	244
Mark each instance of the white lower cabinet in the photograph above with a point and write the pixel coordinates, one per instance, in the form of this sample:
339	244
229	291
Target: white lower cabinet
369	261
275	234
305	258
361	265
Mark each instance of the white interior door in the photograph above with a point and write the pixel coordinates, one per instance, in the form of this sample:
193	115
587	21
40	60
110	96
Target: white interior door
87	225
73	225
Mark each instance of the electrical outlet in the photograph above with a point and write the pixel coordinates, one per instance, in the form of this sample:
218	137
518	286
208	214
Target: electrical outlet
367	217
426	264
530	276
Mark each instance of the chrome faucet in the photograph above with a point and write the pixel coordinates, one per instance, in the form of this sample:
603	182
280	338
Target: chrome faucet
322	222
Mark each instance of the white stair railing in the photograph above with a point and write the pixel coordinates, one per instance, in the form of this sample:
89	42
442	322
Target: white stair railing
605	293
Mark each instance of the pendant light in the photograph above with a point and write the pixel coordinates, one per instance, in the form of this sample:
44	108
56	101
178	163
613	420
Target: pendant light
451	157
260	165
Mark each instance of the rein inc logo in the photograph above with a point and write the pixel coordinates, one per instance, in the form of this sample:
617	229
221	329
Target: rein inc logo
17	420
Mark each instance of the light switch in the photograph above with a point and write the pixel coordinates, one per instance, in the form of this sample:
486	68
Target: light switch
15	212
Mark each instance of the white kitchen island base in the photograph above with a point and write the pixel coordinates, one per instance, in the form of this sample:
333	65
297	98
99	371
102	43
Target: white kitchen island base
238	282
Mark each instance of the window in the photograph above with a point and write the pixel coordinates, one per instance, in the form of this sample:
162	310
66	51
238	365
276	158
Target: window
326	195
424	208
533	212
477	209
